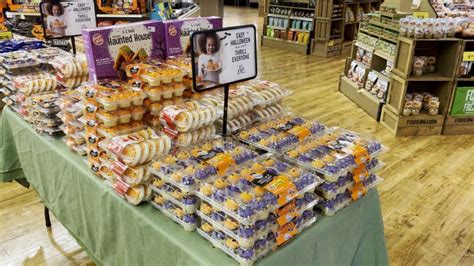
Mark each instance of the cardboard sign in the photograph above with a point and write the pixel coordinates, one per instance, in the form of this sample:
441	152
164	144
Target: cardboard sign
223	56
66	18
420	14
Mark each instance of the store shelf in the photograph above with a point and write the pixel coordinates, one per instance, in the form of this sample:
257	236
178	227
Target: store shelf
294	7
329	19
284	44
384	56
351	22
465	79
387	39
364	99
276	28
10	14
277	16
301	18
300	30
364	46
431	77
383	25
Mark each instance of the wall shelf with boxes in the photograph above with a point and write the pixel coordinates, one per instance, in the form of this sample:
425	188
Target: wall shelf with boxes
289	25
460	117
337	24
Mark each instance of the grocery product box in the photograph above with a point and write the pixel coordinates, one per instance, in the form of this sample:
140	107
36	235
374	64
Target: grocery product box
178	32
108	48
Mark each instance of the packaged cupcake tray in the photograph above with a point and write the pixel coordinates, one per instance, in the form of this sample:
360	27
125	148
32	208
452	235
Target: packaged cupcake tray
237	123
187	202
22	43
155	73
335	153
121	116
185	220
118	130
331	206
281	133
246	235
257	189
197	136
189	166
183	63
329	190
244	256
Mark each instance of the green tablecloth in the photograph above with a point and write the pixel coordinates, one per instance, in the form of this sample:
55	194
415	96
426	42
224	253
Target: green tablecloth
114	232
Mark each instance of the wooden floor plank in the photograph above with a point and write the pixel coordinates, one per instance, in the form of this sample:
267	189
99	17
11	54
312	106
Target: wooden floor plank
427	196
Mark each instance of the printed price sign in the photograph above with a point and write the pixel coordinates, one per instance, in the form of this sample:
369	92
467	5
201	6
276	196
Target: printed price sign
420	14
468	56
66	18
223	56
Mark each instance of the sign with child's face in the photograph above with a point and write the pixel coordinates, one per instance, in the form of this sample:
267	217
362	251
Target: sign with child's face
223	56
64	18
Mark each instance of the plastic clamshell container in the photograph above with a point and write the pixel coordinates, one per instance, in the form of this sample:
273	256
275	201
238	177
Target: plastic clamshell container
137	113
281	133
165	177
329	207
187	208
336	158
243	242
233	253
107	121
187	226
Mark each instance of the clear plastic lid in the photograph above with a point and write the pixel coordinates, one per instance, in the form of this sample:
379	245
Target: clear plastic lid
334	153
281	133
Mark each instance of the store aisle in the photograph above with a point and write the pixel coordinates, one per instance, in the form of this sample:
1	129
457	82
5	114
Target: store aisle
427	195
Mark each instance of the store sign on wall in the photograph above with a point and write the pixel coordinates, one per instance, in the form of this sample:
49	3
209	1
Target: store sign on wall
66	18
223	56
463	104
421	14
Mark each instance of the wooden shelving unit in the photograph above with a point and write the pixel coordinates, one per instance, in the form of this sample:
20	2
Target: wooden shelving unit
333	34
455	123
440	83
296	33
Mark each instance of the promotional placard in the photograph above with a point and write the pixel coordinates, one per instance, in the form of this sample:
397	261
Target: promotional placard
223	56
463	104
67	18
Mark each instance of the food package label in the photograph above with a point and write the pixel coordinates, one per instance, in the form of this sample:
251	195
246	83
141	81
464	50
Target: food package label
279	185
287	213
107	48
286	233
119	143
178	32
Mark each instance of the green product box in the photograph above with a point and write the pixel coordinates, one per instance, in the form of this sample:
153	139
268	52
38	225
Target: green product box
463	104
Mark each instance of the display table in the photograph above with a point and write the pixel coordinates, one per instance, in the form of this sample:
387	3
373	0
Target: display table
113	232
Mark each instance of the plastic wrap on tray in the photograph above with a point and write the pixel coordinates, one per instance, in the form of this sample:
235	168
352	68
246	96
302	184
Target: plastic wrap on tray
280	133
267	112
188	116
189	166
112	95
47	54
119	130
202	134
156	73
187	202
183	63
133	194
35	83
240	102
329	207
70	66
186	220
137	148
334	153
18	59
257	189
266	92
